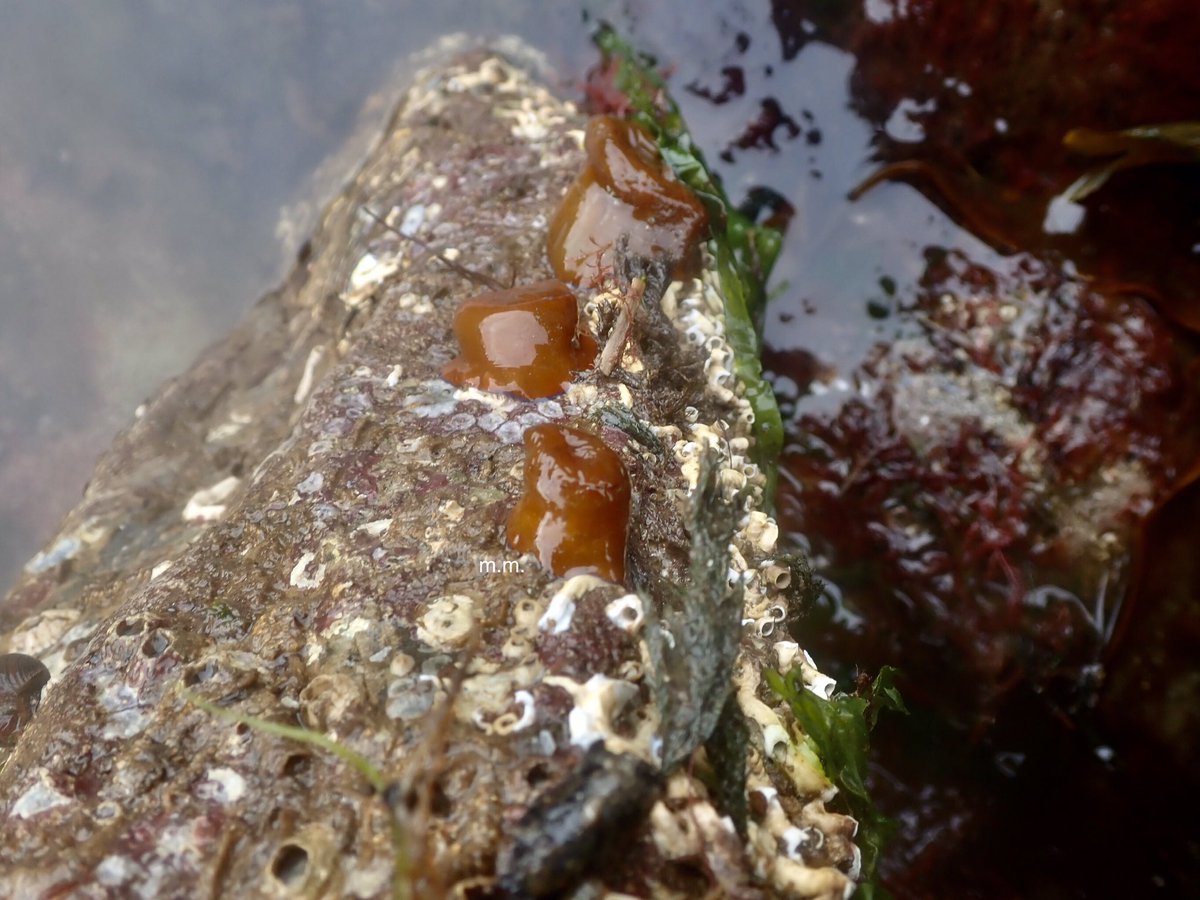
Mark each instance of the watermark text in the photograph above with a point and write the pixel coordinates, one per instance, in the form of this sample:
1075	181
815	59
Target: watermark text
499	566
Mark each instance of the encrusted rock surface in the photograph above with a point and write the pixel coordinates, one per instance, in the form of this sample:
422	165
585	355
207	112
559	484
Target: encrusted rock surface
308	527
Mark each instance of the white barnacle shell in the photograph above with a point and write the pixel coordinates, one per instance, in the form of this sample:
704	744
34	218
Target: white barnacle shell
526	613
598	702
720	392
208	504
786	652
300	578
510	722
448	622
561	609
222	785
761	530
369	272
776	576
674	835
818	683
319	846
732	481
517	646
631	670
401	665
626	613
802	770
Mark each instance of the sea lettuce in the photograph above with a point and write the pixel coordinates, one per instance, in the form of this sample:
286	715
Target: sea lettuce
838	731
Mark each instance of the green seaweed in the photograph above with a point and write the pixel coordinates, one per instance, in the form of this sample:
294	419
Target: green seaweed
744	251
222	611
838	730
355	760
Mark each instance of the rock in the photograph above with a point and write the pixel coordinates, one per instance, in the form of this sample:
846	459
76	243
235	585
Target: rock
308	528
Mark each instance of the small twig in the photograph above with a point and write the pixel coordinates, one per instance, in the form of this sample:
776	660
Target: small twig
619	336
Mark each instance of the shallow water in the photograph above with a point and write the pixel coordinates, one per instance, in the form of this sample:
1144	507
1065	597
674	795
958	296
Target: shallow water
154	159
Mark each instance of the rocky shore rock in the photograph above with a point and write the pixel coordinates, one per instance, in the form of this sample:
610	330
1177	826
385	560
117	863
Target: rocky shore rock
308	527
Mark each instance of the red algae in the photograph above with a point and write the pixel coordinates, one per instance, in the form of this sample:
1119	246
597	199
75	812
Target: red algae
989	479
625	191
1013	450
975	476
574	514
523	341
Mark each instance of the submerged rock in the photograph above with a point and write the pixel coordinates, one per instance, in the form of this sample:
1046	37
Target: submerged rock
308	527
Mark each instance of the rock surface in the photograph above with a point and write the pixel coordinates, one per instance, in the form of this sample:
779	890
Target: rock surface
308	527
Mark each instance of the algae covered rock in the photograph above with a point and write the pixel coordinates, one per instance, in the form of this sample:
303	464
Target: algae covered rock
309	528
